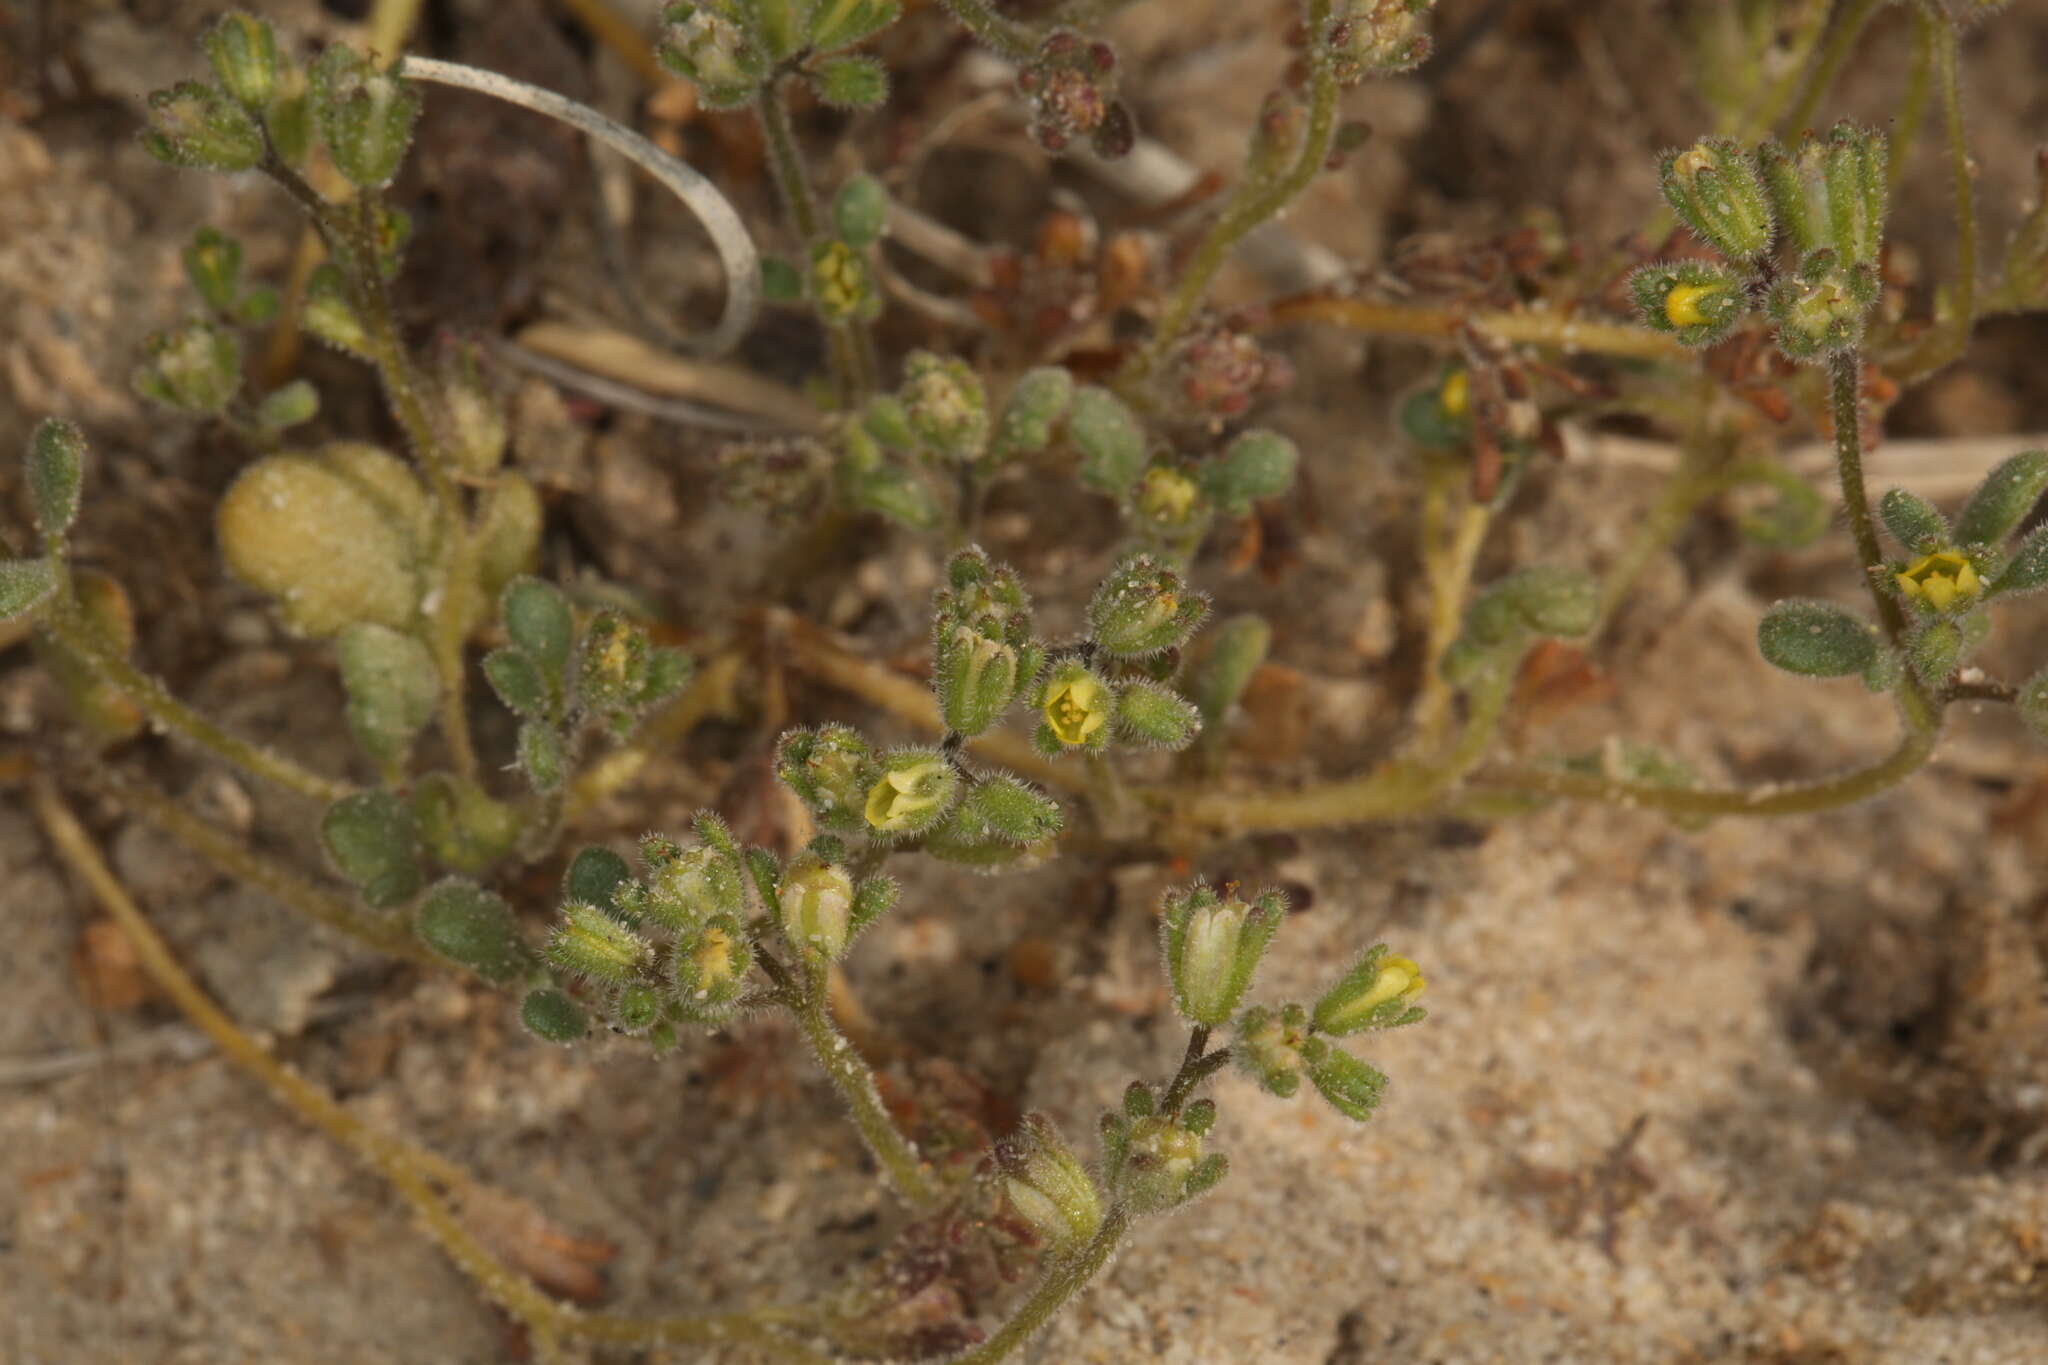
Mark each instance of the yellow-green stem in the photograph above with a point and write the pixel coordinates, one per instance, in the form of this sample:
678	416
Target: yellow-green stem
1062	1281
905	1167
1254	202
1448	557
1555	329
77	636
1913	104
1841	42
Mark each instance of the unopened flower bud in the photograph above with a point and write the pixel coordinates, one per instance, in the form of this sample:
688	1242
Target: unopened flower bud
815	908
1143	607
708	967
197	127
1048	1186
1378	38
831	770
1212	945
243	51
1695	302
1820	310
1831	192
591	943
1714	188
707	45
196	368
946	404
366	115
1377	993
1071	85
687	886
1276	1047
842	284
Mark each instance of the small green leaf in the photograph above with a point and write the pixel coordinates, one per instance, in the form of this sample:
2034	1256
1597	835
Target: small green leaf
2032	704
1258	465
846	22
1815	639
1352	1087
2003	500
1913	521
860	211
1111	442
55	469
1035	406
553	1016
392	685
850	82
286	407
371	840
25	584
518	683
594	875
2027	570
537	617
543	757
213	263
472	928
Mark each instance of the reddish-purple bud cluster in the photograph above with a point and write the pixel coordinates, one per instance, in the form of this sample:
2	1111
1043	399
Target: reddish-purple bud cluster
1071	84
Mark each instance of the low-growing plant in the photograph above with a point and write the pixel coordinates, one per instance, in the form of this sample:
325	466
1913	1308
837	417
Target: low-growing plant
419	569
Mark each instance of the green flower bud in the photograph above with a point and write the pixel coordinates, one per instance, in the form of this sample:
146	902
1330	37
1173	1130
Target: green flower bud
975	675
1159	1165
814	906
1699	304
55	470
860	211
1143	608
1170	503
289	119
1816	639
709	966
1934	650
1377	993
472	928
1714	188
592	943
213	265
850	82
842	23
1352	1087
842	284
688	887
243	52
1037	403
195	368
946	405
1256	466
1276	1046
1999	504
2027	570
831	770
366	116
1048	1186
197	127
462	826
1111	442
713	46
1009	810
330	315
553	1016
1212	946
1151	715
1820	310
1077	706
1831	193
1378	38
392	685
1942	582
915	790
371	840
620	674
1913	521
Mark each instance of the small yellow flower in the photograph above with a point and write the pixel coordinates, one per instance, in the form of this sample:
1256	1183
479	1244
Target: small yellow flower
1076	709
895	802
713	958
1398	979
1941	579
1682	304
1166	496
1454	396
839	280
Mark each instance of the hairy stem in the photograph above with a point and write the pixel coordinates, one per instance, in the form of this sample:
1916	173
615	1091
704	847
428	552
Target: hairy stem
901	1162
1255	201
1841	43
73	632
1845	404
1555	328
1963	174
1061	1283
412	1171
851	345
1913	104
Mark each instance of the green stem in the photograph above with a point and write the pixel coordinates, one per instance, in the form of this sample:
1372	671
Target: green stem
1841	42
1845	401
77	636
1963	304
850	344
895	1153
1803	798
1554	328
1061	1283
1913	104
1011	40
1257	200
244	864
